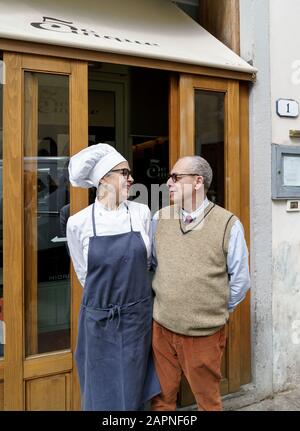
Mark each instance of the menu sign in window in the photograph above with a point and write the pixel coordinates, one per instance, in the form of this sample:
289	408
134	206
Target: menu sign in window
291	171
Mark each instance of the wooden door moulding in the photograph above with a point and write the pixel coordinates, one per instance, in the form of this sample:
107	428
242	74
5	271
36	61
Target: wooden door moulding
245	322
78	140
174	128
47	64
98	56
48	364
13	211
232	194
49	393
1	396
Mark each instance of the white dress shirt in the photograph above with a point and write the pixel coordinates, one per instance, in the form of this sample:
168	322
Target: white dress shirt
108	222
237	257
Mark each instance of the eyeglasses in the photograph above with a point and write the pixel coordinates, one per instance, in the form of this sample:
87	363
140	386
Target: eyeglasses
125	172
176	177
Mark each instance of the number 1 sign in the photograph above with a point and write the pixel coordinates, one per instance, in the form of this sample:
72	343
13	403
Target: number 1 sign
287	108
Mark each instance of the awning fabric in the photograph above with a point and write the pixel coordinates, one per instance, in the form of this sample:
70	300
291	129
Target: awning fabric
146	28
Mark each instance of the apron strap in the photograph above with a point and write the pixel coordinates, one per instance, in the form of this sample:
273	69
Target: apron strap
128	212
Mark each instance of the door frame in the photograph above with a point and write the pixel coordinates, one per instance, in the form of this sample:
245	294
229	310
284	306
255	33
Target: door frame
14	369
17	368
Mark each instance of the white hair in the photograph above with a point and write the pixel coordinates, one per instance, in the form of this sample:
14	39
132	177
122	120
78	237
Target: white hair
198	165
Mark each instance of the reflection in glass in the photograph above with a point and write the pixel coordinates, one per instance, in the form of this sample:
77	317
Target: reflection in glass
128	108
102	117
209	138
151	168
149	133
46	209
101	122
1	226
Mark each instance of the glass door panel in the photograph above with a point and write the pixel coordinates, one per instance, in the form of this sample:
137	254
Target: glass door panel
107	114
106	118
209	138
46	209
102	126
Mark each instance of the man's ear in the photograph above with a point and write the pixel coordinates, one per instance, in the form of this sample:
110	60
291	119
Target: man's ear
199	182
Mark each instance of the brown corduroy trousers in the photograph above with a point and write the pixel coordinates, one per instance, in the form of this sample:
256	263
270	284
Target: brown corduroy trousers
199	358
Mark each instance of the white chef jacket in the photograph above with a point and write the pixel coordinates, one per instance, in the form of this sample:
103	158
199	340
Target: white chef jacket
108	222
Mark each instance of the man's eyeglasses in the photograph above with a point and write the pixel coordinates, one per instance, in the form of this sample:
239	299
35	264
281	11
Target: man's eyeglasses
176	177
125	172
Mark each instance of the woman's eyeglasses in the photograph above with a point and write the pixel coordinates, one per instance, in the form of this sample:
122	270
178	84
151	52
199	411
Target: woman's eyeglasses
176	177
125	172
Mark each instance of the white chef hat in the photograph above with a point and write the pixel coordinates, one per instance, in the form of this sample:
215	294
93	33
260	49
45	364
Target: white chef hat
87	167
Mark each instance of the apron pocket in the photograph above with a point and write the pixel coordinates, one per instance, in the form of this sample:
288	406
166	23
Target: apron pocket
100	327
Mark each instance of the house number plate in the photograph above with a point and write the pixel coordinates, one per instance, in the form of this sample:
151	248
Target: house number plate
287	108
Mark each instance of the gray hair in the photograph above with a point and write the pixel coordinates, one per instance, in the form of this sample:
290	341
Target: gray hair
200	166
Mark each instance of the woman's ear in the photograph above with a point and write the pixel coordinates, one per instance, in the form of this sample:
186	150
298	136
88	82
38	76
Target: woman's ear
102	182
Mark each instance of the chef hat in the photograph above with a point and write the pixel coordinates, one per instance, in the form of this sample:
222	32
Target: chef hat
87	167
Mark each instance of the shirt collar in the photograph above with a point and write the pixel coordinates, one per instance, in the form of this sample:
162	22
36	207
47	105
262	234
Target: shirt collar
197	211
102	210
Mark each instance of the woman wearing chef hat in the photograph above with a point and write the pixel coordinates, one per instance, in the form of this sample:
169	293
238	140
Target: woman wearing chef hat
109	246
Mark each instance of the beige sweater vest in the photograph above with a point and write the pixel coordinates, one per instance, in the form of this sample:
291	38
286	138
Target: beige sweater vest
191	281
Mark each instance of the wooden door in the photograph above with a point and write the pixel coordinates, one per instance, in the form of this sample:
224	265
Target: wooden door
209	117
45	122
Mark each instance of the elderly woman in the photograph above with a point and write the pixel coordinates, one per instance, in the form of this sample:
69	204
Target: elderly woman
109	246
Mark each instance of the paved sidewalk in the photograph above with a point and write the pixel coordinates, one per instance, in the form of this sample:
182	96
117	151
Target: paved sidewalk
285	401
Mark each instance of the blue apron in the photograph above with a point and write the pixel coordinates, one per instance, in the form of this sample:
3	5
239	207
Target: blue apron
113	354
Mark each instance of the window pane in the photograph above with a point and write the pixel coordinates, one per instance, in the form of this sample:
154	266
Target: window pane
209	136
46	193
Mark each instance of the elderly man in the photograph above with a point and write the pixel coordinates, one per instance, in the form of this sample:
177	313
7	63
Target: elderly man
201	273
